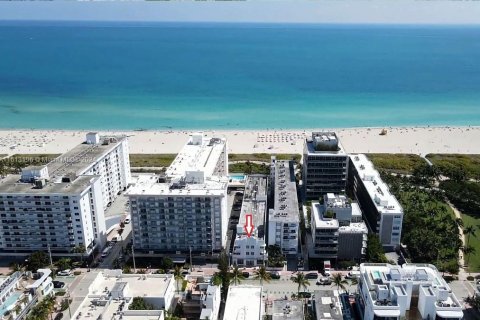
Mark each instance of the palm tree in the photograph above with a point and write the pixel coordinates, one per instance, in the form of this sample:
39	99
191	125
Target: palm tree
339	282
300	280
469	231
467	250
354	282
177	273
15	267
217	279
236	276
17	309
262	275
80	249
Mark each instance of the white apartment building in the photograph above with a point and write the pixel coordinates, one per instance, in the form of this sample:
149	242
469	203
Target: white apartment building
251	251
382	211
338	231
283	219
189	210
325	165
104	156
412	291
112	292
244	302
61	205
57	214
211	303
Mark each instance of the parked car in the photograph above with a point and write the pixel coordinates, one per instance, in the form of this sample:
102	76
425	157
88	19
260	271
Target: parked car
115	239
311	275
245	274
324	281
307	295
353	275
59	316
126	221
64	273
58	284
275	275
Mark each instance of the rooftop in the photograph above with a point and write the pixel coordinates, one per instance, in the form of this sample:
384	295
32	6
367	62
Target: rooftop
201	153
285	309
148	185
244	302
286	201
255	203
327	305
80	158
325	142
377	189
320	220
11	184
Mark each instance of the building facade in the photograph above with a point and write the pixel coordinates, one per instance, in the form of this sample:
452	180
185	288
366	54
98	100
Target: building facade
411	291
251	250
325	165
284	219
189	209
382	211
338	231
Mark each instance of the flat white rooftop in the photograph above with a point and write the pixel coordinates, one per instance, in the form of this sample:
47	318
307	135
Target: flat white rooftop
320	221
148	185
244	302
286	201
377	189
199	154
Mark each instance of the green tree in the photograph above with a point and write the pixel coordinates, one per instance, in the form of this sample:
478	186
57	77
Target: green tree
339	282
375	251
469	231
80	249
223	273
236	276
467	251
138	303
37	260
301	281
64	263
14	266
177	273
167	263
262	275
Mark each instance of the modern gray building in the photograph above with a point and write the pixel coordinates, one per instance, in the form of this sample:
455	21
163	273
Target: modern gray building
189	209
325	165
284	219
382	211
338	231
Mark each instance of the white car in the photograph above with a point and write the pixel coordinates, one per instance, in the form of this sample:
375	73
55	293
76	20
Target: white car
127	221
65	273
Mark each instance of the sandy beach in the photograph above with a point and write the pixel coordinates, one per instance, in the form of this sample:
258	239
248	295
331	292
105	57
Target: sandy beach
417	140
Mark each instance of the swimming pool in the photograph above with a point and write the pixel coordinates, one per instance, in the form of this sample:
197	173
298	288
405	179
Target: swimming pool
9	303
237	177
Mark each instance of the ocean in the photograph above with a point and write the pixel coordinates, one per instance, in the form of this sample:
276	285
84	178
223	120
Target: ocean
97	75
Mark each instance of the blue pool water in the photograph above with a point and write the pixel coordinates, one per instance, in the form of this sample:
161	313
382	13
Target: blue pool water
9	302
236	76
237	177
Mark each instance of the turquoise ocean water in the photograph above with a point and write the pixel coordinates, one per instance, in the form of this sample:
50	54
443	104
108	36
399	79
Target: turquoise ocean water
236	76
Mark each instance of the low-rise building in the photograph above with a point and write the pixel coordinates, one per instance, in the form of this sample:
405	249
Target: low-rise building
327	305
381	210
287	310
189	209
284	218
202	299
412	291
109	294
325	165
244	302
18	293
338	231
251	250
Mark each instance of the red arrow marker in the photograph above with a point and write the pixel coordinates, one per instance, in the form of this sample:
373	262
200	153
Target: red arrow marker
248	227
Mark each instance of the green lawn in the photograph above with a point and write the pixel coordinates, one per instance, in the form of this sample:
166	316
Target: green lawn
263	156
470	163
395	162
474	263
151	160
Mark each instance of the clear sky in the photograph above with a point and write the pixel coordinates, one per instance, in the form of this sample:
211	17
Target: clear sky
318	11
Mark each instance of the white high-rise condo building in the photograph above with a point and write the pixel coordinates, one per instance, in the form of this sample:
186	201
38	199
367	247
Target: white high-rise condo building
325	165
338	231
411	291
251	251
188	208
283	219
60	206
382	212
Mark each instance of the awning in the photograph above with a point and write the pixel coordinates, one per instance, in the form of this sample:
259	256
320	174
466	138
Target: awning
387	312
179	260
